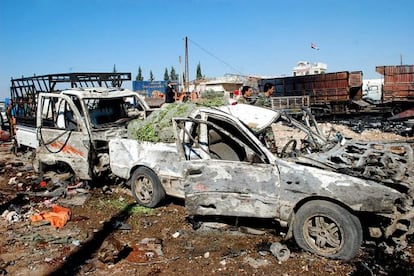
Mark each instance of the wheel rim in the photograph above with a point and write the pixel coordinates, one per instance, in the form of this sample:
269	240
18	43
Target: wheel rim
323	234
144	189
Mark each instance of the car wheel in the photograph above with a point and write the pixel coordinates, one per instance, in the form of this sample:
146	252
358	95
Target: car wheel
146	187
327	229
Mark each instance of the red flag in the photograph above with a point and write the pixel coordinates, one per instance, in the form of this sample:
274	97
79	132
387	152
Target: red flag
313	46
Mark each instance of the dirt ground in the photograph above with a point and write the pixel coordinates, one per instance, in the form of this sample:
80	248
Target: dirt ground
107	234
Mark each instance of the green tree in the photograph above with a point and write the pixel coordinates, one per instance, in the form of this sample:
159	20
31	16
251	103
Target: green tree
173	74
151	78
139	76
166	76
198	73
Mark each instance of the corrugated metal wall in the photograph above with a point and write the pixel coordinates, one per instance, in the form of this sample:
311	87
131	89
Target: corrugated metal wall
322	88
398	82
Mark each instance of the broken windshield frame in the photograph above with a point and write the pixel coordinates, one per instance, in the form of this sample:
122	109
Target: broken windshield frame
107	112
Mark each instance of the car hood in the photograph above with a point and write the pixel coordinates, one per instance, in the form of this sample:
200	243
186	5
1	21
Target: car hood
390	163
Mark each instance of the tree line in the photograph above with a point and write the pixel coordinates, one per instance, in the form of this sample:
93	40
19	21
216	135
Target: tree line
169	75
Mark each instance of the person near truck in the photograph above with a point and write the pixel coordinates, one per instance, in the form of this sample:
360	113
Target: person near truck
11	116
169	93
246	93
264	98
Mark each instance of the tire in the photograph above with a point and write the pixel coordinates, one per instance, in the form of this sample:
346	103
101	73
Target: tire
396	110
146	187
327	229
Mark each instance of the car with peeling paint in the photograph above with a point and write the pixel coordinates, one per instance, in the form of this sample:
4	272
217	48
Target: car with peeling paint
248	161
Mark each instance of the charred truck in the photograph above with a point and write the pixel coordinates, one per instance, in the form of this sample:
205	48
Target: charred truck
68	119
341	93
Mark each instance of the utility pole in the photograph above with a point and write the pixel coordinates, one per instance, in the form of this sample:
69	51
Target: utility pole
186	71
180	76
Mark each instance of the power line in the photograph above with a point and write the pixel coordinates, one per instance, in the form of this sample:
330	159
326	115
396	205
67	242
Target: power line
216	57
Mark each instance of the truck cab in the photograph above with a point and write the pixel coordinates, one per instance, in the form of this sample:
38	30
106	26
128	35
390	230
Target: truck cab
73	127
372	90
68	118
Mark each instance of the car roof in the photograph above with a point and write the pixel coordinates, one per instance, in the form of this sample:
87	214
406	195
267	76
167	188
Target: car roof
255	117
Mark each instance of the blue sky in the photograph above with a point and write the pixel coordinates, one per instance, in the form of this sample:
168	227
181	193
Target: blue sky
261	37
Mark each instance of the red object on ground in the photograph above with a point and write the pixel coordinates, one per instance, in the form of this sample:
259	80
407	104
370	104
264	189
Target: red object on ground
4	135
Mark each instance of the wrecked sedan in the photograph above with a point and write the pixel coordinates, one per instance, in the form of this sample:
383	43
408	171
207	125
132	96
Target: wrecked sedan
230	161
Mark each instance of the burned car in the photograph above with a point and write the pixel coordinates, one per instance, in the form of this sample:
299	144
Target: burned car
231	161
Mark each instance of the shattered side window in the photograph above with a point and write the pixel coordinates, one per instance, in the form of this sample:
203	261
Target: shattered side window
65	116
48	112
189	139
217	139
227	142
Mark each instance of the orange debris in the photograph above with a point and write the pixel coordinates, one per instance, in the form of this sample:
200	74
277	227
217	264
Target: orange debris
58	217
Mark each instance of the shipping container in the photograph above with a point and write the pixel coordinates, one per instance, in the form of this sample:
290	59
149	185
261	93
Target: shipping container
328	93
398	83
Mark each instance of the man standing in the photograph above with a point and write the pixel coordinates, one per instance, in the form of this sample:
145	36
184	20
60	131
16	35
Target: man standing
246	93
264	98
169	93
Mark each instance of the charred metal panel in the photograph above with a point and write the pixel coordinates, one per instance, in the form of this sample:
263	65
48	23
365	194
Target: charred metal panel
230	204
70	148
388	163
299	182
230	188
162	158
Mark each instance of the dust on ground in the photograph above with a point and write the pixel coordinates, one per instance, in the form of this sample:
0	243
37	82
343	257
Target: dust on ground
107	234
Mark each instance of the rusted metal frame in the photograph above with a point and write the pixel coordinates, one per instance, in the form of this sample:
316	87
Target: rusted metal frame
78	78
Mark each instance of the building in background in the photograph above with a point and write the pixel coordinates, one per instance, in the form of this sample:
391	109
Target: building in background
306	68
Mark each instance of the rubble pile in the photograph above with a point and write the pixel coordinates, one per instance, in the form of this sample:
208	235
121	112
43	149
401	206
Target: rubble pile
359	125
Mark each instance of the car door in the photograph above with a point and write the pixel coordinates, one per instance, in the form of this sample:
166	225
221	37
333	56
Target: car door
62	134
232	177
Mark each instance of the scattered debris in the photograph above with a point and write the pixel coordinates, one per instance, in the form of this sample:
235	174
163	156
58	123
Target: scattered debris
280	251
110	250
146	250
57	218
256	263
11	216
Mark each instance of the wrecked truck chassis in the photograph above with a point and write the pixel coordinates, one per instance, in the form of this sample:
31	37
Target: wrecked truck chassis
216	178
